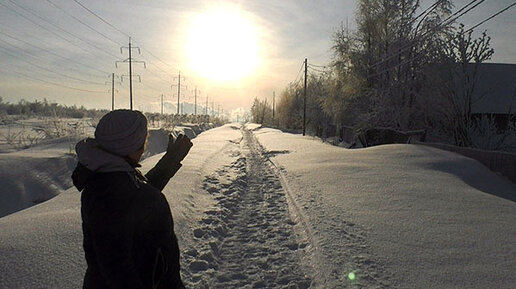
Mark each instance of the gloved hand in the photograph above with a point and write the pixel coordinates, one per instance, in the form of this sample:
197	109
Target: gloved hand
170	163
177	149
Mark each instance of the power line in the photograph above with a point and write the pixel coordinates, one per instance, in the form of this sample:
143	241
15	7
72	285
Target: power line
46	69
83	23
50	82
39	25
50	52
464	12
52	32
427	34
151	54
30	11
102	19
491	17
38	59
299	73
122	32
319	66
157	76
316	70
151	88
429	9
420	55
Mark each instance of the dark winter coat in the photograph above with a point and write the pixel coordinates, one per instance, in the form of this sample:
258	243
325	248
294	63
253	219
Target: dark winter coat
128	231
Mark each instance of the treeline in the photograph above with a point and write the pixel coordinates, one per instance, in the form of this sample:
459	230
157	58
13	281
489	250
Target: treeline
398	69
44	108
169	120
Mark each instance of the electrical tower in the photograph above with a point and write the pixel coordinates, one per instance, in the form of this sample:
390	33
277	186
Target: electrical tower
130	60
195	109
273	103
162	103
112	82
178	89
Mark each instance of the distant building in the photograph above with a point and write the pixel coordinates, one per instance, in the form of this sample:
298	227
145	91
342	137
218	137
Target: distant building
495	93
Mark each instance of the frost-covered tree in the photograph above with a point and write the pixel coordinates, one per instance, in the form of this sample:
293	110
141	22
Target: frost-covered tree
261	112
387	56
289	108
456	82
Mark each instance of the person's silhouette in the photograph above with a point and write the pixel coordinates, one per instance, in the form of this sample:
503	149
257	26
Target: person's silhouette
129	239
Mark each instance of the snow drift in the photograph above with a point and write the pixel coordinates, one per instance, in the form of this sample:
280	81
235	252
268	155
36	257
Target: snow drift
37	174
406	216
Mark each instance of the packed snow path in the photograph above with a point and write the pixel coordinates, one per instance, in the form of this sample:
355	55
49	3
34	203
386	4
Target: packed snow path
248	239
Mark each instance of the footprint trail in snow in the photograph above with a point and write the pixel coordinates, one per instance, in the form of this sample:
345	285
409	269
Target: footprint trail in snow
248	239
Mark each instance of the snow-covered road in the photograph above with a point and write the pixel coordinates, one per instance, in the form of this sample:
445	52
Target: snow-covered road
258	208
246	239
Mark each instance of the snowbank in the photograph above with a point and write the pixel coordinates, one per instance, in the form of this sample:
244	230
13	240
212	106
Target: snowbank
37	174
34	175
404	216
41	247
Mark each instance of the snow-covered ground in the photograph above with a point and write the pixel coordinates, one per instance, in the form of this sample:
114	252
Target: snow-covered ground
40	172
35	175
258	208
36	158
402	216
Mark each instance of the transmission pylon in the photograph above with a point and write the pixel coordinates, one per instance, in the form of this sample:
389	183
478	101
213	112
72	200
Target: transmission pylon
130	60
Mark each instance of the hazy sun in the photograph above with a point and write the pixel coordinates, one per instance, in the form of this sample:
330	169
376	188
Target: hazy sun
222	44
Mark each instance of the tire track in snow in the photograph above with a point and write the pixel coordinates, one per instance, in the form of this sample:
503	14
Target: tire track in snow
248	239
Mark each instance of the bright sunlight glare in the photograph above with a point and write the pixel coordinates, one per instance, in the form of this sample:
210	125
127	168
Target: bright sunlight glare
222	44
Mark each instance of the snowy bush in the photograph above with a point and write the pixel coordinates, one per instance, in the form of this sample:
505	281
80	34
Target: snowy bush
485	134
20	138
56	128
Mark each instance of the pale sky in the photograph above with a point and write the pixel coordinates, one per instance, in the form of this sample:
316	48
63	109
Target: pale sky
264	45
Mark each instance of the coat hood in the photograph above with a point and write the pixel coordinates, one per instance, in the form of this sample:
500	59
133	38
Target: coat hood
98	160
92	159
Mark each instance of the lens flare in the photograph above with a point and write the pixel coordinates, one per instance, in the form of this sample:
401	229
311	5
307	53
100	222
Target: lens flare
351	276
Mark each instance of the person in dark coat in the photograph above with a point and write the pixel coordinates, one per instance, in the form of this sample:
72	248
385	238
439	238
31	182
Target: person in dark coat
128	230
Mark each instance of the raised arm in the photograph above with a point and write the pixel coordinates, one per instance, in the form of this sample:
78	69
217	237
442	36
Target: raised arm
170	163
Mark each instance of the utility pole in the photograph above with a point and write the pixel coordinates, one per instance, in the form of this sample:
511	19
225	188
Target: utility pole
178	89
273	103
304	102
206	107
195	110
162	103
112	76
130	60
130	75
112	91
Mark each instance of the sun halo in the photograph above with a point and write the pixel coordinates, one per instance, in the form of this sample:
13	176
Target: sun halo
222	45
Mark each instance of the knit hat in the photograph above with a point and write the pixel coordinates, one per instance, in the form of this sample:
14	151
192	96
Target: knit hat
122	131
